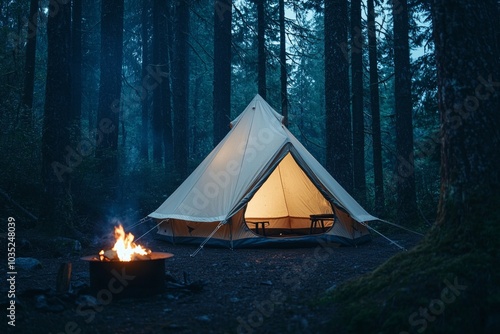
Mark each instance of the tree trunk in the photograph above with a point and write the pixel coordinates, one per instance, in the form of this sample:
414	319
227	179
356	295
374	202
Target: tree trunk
469	101
261	49
108	110
181	88
168	142
378	174
222	68
144	151
338	115
29	70
405	169
76	69
58	156
283	73
157	78
358	119
498	30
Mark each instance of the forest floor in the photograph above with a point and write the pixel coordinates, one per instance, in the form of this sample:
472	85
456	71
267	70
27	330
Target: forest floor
244	290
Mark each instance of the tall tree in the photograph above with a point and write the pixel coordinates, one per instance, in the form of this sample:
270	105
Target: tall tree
358	119
76	67
160	75
337	106
406	193
181	88
378	174
108	110
498	30
261	48
144	151
222	68
168	141
469	100
57	155
29	71
283	71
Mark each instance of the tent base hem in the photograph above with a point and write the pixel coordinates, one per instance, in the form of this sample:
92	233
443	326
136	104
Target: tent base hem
323	240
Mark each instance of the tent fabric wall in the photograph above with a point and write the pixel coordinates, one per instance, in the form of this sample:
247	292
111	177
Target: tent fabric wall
259	171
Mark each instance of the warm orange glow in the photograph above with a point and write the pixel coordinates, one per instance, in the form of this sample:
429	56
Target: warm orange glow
125	247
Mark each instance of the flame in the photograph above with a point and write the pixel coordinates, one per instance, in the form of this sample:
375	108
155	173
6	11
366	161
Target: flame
125	247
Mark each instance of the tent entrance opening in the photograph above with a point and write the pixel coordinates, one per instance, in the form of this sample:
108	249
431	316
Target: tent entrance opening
286	204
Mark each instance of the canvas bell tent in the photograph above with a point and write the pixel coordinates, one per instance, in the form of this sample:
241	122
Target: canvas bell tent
258	187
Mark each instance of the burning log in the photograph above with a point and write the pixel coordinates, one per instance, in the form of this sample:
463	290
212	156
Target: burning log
124	248
108	255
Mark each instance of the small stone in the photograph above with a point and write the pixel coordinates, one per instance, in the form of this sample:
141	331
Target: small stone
330	289
204	318
48	305
28	263
40	302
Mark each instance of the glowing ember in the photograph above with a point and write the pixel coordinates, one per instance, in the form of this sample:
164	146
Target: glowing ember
124	249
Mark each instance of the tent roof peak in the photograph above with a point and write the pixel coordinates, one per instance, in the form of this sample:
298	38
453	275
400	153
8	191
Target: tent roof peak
258	104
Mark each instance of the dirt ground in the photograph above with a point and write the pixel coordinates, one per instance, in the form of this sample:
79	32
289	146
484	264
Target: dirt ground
244	290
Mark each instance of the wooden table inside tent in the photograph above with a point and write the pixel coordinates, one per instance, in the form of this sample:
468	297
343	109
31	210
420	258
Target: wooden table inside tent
262	223
319	220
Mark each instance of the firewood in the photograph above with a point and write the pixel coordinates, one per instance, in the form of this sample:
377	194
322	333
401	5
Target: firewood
63	277
110	255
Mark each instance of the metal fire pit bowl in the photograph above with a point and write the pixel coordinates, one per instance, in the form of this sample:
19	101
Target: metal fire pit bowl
128	279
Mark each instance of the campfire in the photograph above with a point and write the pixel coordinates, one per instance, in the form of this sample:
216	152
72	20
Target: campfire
124	248
139	270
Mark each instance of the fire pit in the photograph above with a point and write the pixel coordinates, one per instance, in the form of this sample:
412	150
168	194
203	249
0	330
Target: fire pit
127	270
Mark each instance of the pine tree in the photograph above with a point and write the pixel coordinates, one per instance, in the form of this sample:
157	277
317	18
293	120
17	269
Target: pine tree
180	85
378	173
222	68
29	71
144	150
358	119
405	168
261	48
110	85
76	68
58	155
338	115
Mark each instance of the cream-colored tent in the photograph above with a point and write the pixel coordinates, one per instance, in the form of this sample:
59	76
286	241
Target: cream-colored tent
261	173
